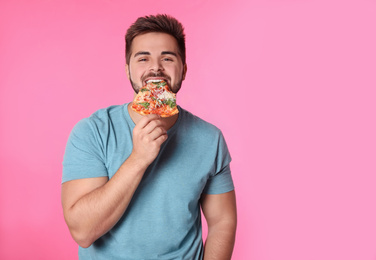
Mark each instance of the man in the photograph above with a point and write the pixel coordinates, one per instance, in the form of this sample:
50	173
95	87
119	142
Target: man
133	185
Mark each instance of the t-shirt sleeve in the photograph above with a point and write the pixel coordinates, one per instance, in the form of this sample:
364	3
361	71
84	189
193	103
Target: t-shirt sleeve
220	180
84	157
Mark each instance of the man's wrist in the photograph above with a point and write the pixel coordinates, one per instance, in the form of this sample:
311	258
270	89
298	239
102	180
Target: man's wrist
137	163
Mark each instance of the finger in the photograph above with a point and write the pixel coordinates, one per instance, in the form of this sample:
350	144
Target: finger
156	133
161	139
152	125
145	120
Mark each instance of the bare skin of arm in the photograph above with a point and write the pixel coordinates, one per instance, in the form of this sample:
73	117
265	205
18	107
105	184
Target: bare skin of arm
92	206
220	214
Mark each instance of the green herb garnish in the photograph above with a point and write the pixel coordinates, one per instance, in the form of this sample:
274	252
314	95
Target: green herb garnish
144	104
170	102
144	89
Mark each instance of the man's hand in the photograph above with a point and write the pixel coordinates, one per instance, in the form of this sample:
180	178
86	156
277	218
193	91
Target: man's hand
148	136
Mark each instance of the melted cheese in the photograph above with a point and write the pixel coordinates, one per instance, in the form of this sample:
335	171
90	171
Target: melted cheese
166	95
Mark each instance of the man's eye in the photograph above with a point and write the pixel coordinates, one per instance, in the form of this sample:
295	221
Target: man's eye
142	59
168	59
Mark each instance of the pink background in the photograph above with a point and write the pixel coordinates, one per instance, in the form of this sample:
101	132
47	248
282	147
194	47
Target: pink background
292	84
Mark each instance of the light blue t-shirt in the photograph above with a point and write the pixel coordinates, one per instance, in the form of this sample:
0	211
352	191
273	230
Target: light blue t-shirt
163	219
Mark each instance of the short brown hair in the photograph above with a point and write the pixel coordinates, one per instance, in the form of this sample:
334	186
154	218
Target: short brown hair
159	23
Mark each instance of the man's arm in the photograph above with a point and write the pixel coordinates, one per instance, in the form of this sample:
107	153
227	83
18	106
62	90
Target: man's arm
93	206
220	214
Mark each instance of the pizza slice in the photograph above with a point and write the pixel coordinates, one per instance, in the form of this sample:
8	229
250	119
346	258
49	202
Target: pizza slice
155	98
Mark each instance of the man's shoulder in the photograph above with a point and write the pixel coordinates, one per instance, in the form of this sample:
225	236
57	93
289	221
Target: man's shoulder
104	115
107	113
196	123
100	119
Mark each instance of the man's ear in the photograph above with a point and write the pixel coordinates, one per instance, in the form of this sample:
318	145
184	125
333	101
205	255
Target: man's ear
127	71
184	71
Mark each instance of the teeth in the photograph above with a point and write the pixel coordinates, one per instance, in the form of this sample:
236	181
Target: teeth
154	80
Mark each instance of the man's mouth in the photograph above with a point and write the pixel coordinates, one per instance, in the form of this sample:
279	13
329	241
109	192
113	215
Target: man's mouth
149	80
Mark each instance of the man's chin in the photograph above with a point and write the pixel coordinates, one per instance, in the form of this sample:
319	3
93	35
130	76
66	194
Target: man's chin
135	87
176	88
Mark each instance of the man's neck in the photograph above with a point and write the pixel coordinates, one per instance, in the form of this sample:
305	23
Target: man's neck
168	121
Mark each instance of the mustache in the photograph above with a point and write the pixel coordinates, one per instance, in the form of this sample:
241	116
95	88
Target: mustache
156	74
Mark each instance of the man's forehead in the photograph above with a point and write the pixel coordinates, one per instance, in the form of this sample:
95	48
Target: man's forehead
154	42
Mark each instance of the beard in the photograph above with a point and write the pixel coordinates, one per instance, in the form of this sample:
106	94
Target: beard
175	89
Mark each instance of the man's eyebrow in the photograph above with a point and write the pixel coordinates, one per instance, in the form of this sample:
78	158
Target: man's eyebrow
169	52
141	53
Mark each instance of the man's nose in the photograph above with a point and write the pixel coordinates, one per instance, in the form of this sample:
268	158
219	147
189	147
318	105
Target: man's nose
156	66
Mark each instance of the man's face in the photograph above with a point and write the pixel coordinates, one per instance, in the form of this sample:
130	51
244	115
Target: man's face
155	56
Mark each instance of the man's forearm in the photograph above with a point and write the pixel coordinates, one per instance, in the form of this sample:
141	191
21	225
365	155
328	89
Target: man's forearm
220	242
97	212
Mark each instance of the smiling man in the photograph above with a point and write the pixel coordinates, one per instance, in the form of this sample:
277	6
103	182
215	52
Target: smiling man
160	61
133	185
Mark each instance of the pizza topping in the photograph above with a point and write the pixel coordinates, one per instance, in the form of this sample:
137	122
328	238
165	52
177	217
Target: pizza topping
155	98
170	102
166	95
144	104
